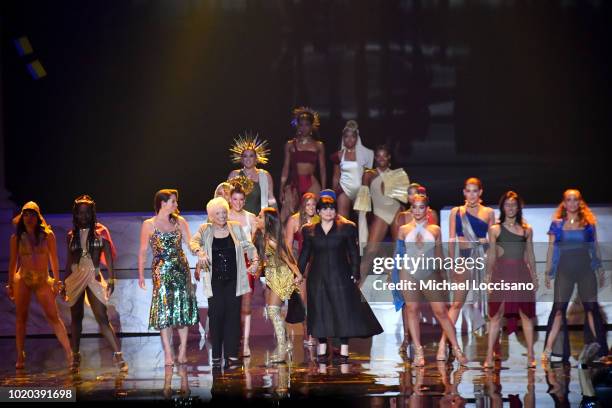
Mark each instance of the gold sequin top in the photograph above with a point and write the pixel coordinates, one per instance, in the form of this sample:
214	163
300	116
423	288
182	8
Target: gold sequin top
279	277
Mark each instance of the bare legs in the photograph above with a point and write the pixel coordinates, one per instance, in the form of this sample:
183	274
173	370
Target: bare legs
46	299
344	205
100	313
166	338
528	331
441	314
494	325
406	340
22	304
453	315
377	230
183	332
494	328
412	312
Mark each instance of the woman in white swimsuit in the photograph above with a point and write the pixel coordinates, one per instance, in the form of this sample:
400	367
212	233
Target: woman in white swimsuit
349	164
420	239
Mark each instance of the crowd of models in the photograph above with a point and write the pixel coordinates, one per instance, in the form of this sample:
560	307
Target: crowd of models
308	253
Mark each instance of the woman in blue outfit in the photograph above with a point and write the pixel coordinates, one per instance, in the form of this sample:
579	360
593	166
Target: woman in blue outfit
468	226
573	260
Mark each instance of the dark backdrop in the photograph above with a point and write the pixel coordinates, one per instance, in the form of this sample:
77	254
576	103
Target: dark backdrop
142	95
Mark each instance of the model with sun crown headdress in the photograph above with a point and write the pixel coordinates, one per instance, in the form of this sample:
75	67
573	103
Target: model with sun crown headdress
250	150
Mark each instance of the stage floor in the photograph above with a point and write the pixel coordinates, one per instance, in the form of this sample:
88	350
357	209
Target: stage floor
375	376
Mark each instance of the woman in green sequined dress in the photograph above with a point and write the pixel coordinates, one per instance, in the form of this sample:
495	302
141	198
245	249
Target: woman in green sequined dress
174	301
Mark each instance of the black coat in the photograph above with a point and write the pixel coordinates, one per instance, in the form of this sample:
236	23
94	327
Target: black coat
336	307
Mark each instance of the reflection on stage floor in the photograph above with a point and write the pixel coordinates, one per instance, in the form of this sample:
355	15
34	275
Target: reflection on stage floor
375	376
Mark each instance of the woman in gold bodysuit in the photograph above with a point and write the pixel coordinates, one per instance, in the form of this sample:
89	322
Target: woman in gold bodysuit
33	247
282	276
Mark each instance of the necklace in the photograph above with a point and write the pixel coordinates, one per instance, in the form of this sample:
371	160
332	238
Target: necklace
510	223
304	140
249	173
472	205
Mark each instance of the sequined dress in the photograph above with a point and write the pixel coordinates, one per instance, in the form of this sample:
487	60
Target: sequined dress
279	277
174	301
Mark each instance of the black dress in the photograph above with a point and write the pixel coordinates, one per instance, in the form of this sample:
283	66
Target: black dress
336	307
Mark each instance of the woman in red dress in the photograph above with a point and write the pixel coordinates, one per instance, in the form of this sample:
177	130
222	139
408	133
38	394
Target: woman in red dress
510	259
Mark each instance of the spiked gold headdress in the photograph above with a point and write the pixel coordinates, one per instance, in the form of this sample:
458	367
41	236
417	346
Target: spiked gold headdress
308	113
242	181
248	141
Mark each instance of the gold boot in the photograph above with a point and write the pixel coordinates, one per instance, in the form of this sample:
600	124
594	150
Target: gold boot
280	352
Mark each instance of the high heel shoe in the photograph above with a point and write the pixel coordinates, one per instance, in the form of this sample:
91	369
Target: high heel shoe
216	362
461	358
76	362
20	363
546	355
488	364
497	352
442	356
120	362
232	362
403	348
419	357
322	358
282	345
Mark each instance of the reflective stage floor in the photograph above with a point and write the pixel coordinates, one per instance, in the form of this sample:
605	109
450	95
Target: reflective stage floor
376	376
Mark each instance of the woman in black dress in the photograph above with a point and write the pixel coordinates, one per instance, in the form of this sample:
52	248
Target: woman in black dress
335	305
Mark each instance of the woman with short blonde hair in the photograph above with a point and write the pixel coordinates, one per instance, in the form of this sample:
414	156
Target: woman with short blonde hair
221	245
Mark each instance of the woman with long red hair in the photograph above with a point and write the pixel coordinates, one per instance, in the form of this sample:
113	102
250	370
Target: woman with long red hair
573	260
294	240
